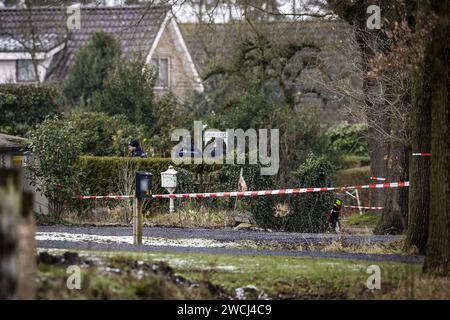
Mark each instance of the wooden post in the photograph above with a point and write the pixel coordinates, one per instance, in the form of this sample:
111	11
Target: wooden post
17	230
27	250
137	220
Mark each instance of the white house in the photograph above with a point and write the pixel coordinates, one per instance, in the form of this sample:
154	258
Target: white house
40	44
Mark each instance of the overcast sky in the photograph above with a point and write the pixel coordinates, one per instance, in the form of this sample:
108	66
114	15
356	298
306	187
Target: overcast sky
186	13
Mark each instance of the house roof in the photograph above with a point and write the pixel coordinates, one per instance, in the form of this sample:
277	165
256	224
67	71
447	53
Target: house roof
8	142
43	43
135	27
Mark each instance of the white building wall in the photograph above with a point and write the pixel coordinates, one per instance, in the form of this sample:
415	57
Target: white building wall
7	71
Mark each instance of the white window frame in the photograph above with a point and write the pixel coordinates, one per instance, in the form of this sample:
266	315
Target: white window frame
169	64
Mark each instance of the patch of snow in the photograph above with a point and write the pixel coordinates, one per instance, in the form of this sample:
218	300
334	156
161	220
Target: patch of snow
150	241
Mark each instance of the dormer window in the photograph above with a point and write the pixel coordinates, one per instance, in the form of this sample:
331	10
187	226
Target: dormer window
161	66
25	71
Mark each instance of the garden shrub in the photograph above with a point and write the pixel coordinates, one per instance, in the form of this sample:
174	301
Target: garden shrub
304	212
22	107
53	165
349	139
93	63
104	135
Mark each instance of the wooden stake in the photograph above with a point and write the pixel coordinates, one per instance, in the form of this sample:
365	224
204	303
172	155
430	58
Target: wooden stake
137	221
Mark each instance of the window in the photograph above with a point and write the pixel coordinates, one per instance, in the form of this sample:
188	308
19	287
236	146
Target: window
161	66
25	71
17	161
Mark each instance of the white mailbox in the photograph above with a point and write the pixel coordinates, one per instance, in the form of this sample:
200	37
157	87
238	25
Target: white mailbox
169	182
169	179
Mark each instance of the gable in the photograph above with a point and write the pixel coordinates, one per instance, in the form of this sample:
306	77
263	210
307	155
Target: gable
134	27
183	74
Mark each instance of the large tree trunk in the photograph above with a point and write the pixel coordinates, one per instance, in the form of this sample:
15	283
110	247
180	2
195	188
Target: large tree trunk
395	213
420	128
438	247
378	152
383	153
378	147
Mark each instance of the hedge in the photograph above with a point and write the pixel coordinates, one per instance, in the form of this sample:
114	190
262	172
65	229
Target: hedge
307	211
101	174
24	106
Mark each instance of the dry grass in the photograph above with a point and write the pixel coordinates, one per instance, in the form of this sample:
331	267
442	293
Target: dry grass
97	215
188	217
192	218
393	247
420	288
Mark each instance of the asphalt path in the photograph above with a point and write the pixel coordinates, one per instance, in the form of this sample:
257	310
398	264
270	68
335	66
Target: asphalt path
223	235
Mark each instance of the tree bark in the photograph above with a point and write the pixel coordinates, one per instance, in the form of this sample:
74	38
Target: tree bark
420	128
395	213
17	239
438	246
378	153
10	200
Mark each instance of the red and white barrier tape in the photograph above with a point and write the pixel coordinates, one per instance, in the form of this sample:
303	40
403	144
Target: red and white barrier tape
421	154
351	195
281	191
366	208
378	179
107	197
399	184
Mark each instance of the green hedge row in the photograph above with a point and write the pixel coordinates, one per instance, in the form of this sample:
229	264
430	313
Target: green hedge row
105	175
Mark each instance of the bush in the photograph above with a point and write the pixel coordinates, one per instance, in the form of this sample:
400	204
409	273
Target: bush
128	90
310	209
171	115
295	213
52	167
104	135
93	63
303	212
22	107
349	139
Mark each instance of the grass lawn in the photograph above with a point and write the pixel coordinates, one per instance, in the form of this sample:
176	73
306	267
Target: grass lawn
367	219
118	275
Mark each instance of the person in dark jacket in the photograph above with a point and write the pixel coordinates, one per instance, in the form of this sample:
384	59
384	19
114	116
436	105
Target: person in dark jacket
135	149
